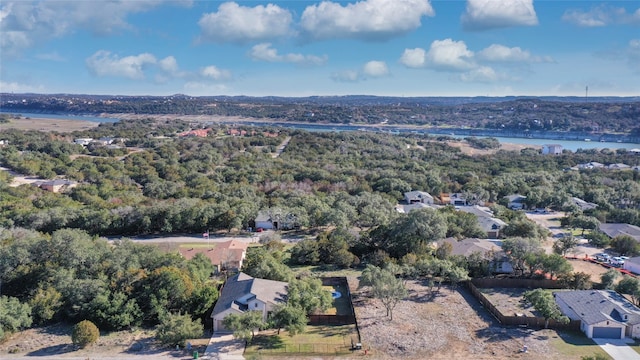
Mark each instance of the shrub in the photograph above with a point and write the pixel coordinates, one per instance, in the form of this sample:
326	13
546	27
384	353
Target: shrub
85	333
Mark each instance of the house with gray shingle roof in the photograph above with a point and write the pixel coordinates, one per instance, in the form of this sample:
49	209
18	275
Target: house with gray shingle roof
242	293
414	197
602	313
616	229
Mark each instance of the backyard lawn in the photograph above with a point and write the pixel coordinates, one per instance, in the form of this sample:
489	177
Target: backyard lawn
322	339
574	344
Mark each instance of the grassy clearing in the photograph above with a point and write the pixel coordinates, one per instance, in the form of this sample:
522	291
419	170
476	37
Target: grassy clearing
574	345
317	340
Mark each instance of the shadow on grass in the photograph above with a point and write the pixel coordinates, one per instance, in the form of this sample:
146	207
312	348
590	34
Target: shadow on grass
576	338
267	342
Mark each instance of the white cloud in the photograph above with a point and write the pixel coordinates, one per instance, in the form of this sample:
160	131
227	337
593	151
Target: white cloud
212	72
482	74
492	14
370	70
366	19
449	55
7	87
24	24
52	56
346	76
414	58
264	52
601	15
375	69
501	53
169	65
103	63
633	53
240	24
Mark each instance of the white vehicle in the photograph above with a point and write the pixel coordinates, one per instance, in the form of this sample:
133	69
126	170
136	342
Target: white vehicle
602	257
617	261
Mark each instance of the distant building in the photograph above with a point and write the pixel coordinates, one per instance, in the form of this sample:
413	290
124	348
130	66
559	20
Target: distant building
552	149
56	186
414	197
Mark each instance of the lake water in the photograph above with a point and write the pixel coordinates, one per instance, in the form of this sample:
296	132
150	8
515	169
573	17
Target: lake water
63	116
566	144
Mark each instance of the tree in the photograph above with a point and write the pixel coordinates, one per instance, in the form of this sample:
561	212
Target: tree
576	281
517	249
14	315
291	318
554	265
631	286
176	329
309	295
608	278
384	287
625	245
305	252
544	302
565	243
85	333
413	232
244	325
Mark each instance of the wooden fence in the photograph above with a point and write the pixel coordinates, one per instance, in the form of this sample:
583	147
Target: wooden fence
516	283
530	321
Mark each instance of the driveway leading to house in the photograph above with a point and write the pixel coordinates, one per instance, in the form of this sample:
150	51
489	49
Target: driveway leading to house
224	347
618	349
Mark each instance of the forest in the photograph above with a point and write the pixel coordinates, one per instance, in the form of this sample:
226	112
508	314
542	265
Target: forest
340	186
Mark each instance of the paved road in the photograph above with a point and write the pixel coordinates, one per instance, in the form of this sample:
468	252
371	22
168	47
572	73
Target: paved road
618	349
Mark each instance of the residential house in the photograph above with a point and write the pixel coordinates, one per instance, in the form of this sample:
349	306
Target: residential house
407	208
603	313
458	199
500	263
195	133
591	165
491	225
583	205
632	264
616	229
413	197
619	166
552	149
227	255
83	141
242	293
56	186
516	201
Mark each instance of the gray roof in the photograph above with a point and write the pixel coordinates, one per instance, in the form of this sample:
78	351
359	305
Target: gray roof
407	208
466	247
583	205
617	229
268	291
490	223
595	306
515	198
478	211
416	195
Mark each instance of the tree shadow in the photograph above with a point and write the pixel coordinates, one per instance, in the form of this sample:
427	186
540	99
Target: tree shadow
267	342
53	350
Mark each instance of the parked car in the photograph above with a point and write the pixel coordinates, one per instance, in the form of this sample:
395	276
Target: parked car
617	261
602	257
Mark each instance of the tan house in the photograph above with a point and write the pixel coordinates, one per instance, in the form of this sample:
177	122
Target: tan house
57	186
242	293
228	255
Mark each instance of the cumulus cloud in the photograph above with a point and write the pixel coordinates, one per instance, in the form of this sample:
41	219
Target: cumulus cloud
449	55
370	70
482	74
264	52
103	63
25	24
501	53
414	58
493	14
366	19
375	68
241	24
212	72
601	15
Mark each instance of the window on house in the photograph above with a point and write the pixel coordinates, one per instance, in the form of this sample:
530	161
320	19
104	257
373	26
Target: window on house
255	305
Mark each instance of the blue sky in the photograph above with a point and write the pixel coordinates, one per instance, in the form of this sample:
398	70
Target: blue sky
303	48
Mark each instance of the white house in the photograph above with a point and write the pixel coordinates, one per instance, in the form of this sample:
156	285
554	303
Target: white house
414	197
83	141
552	149
602	313
242	293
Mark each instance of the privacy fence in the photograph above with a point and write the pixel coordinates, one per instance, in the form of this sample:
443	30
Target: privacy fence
530	321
